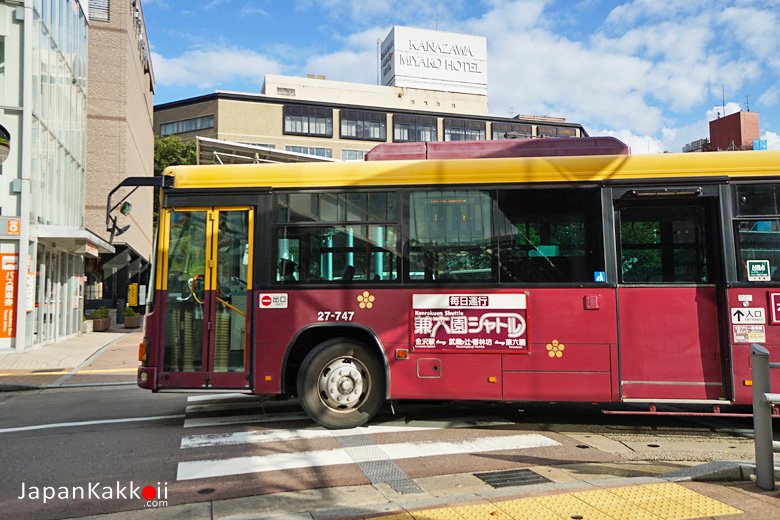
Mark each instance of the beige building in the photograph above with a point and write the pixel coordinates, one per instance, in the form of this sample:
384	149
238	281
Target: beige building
342	120
120	144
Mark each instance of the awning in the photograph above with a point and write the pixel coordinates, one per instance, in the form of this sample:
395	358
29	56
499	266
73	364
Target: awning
77	240
216	151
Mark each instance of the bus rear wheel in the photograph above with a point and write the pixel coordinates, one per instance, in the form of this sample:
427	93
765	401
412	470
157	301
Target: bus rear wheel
341	384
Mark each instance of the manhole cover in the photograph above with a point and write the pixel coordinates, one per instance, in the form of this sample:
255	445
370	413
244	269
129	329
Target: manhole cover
514	477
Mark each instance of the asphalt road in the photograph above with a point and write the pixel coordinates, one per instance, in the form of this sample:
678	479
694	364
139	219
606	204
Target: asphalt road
124	449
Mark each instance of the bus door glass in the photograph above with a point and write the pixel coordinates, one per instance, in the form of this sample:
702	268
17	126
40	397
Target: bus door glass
668	297
208	272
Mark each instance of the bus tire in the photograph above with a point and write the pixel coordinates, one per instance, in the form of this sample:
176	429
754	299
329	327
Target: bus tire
341	384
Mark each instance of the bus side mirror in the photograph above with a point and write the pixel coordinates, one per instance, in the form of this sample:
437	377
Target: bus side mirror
126	208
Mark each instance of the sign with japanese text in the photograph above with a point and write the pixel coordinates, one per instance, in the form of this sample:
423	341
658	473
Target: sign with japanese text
9	265
469	322
758	271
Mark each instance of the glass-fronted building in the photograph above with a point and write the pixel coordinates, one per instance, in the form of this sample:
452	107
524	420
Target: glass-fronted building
43	105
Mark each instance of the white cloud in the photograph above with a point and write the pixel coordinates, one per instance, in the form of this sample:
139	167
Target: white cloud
769	98
646	74
212	67
250	9
344	66
644	10
772	140
640	144
365	13
717	111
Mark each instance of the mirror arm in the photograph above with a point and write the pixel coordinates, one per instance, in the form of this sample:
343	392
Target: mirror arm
161	181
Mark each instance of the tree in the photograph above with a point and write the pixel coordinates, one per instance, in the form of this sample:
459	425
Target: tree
170	151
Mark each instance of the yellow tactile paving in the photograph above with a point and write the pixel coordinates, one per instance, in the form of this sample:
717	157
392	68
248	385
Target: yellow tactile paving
480	511
569	505
527	509
445	513
667	501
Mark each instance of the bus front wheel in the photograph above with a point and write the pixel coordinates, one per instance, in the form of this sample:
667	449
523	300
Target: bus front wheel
341	384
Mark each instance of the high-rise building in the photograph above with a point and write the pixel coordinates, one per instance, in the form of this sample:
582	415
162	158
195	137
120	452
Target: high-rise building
120	145
433	88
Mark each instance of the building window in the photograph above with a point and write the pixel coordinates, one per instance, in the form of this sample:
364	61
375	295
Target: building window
300	120
414	129
352	155
554	131
462	130
500	131
99	10
368	126
282	91
310	150
187	125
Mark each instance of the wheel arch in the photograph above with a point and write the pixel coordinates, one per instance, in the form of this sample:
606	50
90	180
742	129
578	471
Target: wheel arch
307	338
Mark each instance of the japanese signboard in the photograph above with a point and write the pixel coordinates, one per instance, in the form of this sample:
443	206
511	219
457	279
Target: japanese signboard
469	322
758	271
8	270
749	334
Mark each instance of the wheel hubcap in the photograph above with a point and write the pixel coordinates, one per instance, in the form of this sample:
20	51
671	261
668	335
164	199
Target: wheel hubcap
342	383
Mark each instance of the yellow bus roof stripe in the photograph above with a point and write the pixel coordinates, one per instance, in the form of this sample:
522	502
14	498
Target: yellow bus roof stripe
477	171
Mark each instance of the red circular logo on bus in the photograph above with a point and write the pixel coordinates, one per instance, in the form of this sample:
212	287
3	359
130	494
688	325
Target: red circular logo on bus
265	300
149	492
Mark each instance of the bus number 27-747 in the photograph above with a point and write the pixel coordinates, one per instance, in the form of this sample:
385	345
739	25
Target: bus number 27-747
335	315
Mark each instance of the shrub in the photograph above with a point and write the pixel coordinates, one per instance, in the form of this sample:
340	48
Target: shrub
130	312
100	314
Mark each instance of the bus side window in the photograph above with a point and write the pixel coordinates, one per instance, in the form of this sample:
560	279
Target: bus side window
337	254
451	236
549	235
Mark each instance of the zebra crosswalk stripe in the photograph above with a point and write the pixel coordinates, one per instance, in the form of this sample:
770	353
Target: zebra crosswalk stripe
191	470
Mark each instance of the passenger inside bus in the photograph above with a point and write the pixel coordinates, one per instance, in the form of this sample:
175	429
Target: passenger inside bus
287	270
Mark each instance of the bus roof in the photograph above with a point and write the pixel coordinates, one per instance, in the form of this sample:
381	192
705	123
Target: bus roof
594	168
548	147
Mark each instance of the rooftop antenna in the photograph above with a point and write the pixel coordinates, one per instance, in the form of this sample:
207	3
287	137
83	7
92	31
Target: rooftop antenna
747	103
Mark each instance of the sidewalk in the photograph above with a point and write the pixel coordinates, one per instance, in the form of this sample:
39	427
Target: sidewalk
93	358
658	491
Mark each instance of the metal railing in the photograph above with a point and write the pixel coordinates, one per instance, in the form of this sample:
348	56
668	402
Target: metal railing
763	401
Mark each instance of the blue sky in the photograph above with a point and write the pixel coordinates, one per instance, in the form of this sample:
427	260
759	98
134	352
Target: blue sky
650	72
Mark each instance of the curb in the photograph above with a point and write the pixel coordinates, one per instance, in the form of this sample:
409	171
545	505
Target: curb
19	387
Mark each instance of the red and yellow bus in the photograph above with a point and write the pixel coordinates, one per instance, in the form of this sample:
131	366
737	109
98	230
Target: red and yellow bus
593	278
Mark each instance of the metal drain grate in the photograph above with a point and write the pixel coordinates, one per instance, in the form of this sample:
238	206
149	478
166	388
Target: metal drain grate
513	477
